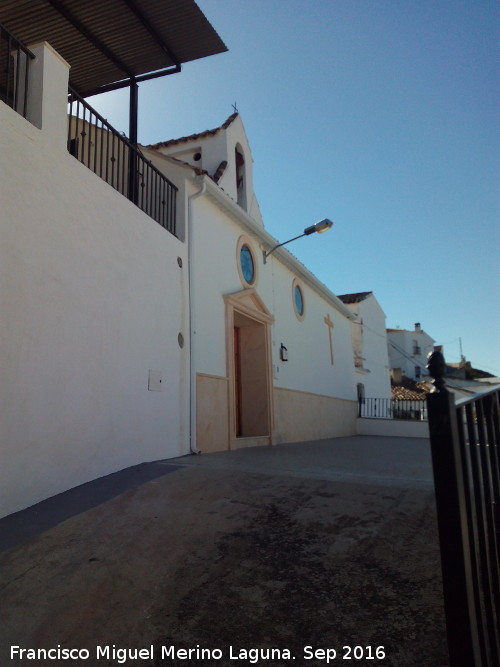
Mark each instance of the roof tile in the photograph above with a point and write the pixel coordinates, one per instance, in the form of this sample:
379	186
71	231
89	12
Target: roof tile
193	137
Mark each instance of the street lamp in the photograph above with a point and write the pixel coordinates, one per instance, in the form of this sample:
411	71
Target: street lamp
320	227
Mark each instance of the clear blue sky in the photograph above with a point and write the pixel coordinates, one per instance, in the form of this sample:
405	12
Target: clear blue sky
380	114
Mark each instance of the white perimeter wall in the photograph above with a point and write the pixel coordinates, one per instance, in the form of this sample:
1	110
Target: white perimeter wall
397	428
92	298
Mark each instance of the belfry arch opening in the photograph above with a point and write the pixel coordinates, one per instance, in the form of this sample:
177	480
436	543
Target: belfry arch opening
241	177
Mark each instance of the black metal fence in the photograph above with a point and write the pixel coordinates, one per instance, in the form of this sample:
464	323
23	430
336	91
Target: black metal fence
465	438
391	408
14	70
110	155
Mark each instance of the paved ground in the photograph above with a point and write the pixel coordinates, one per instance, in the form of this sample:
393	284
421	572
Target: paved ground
326	545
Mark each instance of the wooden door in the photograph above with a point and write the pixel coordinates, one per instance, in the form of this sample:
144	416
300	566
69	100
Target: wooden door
237	381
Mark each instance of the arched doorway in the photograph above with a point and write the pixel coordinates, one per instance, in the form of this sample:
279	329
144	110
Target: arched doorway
249	363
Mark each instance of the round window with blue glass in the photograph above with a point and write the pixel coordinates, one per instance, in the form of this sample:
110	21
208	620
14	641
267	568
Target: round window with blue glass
298	300
247	264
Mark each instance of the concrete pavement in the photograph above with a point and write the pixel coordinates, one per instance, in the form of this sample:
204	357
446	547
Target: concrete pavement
271	556
403	462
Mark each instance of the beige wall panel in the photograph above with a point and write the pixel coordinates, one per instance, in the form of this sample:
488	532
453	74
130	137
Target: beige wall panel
300	416
212	419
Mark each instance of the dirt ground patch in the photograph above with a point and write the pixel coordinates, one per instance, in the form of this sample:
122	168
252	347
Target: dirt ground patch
210	559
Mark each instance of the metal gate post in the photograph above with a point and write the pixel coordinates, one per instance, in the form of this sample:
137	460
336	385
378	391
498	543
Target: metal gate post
461	620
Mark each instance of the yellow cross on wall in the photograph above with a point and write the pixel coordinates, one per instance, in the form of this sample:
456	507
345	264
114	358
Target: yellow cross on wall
329	324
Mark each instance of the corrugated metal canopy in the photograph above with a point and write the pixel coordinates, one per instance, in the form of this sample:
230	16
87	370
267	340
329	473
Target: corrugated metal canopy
110	41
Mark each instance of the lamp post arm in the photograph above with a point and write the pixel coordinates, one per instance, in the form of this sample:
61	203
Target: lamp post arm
266	254
319	227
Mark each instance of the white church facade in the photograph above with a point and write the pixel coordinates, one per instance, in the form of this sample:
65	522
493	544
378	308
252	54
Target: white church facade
271	353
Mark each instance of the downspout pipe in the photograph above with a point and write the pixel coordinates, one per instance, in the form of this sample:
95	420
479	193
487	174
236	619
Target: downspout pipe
192	322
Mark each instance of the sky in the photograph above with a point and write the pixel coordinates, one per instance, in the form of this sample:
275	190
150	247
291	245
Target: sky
378	114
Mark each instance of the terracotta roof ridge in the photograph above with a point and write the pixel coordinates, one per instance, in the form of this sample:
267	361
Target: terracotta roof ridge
198	135
220	170
197	170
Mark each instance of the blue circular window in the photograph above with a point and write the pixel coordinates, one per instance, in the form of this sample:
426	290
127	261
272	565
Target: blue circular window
247	265
299	300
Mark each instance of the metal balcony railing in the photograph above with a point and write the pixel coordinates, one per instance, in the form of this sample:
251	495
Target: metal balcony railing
110	155
391	408
14	70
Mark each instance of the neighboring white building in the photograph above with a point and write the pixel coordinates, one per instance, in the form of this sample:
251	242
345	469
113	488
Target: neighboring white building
271	346
369	340
408	352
